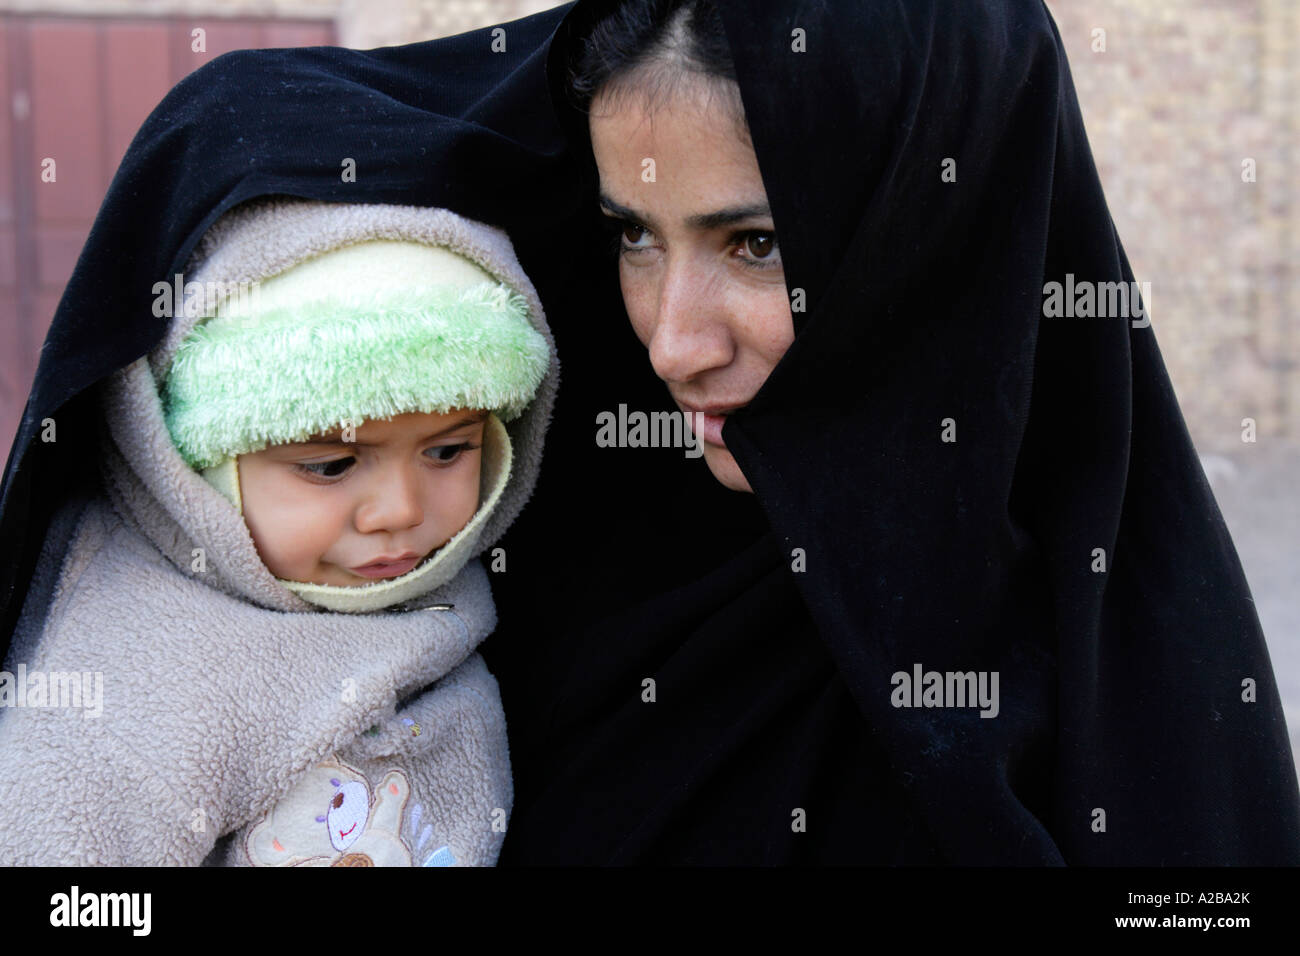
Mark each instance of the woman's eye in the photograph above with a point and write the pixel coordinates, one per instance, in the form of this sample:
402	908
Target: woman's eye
633	236
761	249
760	244
328	469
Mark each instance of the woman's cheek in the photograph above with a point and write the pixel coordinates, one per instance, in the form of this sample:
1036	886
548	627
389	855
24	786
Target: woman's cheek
772	329
638	299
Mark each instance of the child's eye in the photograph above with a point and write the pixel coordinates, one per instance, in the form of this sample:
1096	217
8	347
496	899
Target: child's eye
446	454
328	469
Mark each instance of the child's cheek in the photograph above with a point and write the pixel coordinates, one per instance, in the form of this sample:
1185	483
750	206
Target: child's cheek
456	502
292	526
307	532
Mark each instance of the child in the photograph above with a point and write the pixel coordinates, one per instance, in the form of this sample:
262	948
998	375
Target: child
275	603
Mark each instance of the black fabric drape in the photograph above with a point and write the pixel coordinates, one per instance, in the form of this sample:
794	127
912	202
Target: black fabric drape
1123	736
926	303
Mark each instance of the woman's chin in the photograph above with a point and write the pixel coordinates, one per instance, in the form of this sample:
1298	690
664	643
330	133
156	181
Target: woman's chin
725	469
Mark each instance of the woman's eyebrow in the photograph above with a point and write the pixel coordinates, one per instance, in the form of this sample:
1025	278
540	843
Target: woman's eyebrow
335	437
623	212
729	216
704	220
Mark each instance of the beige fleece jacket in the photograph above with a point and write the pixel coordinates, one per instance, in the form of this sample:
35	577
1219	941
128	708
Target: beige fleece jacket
221	717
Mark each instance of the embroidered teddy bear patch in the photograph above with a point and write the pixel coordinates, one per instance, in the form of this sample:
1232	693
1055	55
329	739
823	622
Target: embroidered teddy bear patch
332	818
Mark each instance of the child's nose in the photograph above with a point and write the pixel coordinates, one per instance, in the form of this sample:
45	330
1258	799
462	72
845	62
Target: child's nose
392	502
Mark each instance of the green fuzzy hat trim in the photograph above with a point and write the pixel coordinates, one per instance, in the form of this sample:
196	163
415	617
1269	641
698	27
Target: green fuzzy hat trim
241	383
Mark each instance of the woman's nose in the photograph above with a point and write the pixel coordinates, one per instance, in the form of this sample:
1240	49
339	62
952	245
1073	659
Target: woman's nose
392	501
692	332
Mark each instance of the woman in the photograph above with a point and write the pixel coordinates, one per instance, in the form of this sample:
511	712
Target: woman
956	481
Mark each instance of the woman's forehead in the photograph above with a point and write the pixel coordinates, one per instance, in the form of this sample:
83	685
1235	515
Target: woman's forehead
684	156
649	96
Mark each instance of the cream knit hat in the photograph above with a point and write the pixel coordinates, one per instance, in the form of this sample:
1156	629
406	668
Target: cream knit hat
360	323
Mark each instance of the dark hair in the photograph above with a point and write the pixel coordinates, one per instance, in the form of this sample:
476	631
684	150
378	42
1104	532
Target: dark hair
654	44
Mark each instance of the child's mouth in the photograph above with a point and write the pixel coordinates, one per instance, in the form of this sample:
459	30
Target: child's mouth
387	569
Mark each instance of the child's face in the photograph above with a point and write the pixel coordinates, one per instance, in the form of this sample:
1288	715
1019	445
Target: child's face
321	511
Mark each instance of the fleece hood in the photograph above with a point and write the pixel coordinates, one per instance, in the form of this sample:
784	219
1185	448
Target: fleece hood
247	723
231	705
187	511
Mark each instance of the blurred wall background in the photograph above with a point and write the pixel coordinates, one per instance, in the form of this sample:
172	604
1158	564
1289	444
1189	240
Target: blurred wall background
1191	110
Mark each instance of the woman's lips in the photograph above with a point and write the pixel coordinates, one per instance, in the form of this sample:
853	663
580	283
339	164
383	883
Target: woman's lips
709	425
387	570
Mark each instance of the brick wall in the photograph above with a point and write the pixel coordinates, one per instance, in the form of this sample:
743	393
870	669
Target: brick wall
1185	91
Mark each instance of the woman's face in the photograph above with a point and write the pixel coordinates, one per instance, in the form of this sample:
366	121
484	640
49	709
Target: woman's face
699	264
